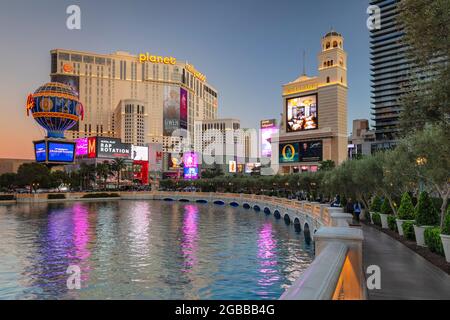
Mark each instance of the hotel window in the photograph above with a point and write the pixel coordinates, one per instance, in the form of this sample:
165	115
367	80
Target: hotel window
63	56
75	57
328	79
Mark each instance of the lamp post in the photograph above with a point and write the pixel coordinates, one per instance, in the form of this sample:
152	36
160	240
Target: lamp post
421	161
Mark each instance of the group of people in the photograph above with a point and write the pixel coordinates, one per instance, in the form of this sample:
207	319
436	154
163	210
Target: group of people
352	207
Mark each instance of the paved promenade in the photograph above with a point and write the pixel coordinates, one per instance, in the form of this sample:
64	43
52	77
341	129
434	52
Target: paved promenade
405	275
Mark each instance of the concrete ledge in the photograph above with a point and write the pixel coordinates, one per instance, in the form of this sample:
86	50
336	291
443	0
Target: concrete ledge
320	280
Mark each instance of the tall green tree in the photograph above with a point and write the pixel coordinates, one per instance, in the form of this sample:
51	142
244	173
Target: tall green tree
8	180
406	209
117	166
103	171
33	175
426	97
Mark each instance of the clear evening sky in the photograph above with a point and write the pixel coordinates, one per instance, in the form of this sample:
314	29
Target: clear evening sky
247	49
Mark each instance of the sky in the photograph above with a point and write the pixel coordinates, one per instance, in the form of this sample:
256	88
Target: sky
247	49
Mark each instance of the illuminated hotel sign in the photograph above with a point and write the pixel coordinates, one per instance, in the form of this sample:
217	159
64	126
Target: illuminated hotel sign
300	88
146	57
200	76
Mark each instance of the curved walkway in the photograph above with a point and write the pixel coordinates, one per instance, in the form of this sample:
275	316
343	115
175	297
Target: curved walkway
405	275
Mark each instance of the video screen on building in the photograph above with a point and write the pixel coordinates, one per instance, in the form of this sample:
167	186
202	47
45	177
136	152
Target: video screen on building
268	128
183	109
40	151
113	148
289	152
190	173
171	109
302	113
139	153
61	151
311	151
81	147
190	160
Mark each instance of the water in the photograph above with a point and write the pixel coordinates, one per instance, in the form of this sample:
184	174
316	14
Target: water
147	250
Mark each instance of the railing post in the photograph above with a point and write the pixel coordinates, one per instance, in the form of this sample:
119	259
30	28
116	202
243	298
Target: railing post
352	276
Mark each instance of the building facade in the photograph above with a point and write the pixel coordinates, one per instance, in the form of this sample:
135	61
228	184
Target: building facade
390	67
174	94
314	123
130	121
361	140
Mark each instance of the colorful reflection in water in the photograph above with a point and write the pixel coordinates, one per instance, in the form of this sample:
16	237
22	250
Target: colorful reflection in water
190	235
147	250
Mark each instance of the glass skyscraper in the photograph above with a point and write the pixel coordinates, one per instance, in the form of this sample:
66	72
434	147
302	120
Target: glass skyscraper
390	68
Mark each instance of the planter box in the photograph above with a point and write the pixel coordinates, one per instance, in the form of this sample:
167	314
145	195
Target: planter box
384	221
420	237
400	226
446	244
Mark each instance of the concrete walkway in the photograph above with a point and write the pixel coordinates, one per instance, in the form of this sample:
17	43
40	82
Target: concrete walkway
405	275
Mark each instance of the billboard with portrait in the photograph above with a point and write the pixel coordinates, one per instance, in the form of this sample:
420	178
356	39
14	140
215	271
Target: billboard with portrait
81	147
139	153
183	109
190	173
268	128
302	113
61	151
311	151
171	109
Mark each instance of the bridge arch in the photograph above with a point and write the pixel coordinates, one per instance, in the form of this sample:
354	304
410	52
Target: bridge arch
297	225
277	214
267	210
234	204
287	219
307	233
246	206
219	202
201	201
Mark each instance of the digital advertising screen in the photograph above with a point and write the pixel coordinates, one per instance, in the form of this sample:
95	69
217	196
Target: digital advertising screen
311	151
81	147
61	151
289	152
268	128
183	108
40	151
232	167
113	148
171	109
302	113
190	160
139	153
190	173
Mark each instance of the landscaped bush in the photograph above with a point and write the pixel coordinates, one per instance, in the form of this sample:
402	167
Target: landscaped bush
386	207
426	214
375	206
408	230
53	196
392	223
7	197
101	195
376	218
446	227
406	210
433	240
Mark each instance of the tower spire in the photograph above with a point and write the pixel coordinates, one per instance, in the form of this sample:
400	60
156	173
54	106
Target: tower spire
304	62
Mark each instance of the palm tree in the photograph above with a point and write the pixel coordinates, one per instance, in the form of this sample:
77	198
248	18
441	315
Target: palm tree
103	171
117	166
87	174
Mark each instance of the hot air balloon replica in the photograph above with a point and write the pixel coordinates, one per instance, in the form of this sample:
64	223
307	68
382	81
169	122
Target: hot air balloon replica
55	107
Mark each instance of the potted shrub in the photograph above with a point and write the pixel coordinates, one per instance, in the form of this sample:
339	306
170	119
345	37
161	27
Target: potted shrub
445	235
392	223
433	240
405	212
376	219
385	211
375	207
426	217
408	230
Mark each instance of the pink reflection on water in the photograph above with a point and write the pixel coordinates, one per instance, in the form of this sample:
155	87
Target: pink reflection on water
80	219
190	236
267	257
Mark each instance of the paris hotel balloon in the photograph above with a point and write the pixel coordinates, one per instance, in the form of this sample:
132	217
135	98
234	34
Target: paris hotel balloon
55	107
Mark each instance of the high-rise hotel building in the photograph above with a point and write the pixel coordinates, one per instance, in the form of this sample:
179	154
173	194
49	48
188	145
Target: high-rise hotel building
155	95
390	67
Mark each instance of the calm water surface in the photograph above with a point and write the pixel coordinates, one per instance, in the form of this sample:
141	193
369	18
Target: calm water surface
147	250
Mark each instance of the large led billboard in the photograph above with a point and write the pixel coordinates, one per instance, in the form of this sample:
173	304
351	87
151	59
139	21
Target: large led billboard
289	152
139	153
40	151
311	151
190	173
302	113
190	160
183	109
81	147
268	128
171	109
113	148
61	151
